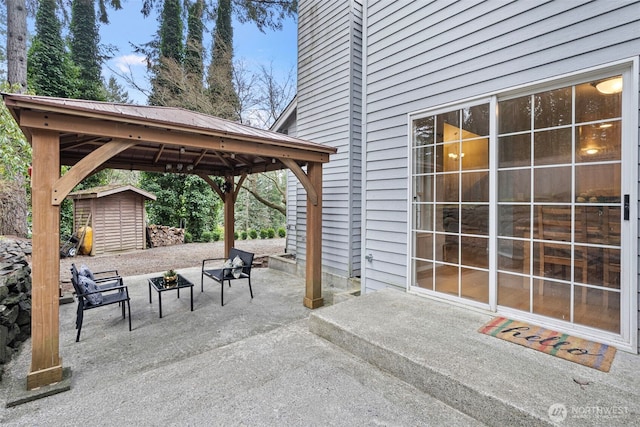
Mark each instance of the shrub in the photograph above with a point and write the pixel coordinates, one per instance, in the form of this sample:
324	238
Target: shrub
263	234
188	237
235	235
271	233
282	232
206	236
216	235
243	235
253	234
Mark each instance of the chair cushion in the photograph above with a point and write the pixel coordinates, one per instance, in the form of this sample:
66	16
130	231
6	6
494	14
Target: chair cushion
84	271
90	286
237	265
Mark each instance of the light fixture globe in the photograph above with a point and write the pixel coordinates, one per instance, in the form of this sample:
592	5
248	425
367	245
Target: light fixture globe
610	86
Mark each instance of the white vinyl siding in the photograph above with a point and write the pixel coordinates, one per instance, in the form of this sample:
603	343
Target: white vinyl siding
329	112
422	55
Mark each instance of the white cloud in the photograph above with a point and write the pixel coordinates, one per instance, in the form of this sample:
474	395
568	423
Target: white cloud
126	62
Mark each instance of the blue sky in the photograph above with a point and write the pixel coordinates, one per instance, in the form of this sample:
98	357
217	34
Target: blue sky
127	26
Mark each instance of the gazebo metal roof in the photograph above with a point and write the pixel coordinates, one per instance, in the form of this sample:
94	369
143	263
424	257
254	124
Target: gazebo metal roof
167	139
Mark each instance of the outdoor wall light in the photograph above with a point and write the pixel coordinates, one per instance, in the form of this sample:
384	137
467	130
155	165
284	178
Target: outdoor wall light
168	167
609	86
179	166
226	187
181	150
189	167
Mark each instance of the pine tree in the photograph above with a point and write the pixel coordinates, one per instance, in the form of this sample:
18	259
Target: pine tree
84	49
165	83
220	73
17	44
50	70
193	61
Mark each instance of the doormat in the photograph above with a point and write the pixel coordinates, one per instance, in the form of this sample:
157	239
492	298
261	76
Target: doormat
578	350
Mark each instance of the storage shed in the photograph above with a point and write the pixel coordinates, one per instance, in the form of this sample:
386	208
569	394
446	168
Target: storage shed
115	214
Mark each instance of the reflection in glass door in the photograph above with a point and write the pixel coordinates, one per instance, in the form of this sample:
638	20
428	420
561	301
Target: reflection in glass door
451	203
559	197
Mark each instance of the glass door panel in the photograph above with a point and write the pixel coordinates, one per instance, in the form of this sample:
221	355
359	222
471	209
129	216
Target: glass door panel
567	266
457	264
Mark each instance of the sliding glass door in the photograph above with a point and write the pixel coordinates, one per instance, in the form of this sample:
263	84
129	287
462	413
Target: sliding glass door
518	204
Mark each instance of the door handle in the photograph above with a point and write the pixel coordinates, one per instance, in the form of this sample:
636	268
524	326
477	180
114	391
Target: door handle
626	207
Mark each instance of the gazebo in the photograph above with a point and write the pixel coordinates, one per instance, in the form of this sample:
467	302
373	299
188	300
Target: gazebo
89	136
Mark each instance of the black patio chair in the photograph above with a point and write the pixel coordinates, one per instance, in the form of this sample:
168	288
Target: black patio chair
221	275
109	291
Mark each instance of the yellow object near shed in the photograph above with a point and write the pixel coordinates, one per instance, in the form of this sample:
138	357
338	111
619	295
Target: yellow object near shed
112	218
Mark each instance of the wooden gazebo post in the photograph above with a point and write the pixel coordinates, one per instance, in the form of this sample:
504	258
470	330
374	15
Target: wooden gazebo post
46	364
229	215
313	288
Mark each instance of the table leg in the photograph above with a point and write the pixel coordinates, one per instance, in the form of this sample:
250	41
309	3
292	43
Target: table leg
160	303
149	293
191	298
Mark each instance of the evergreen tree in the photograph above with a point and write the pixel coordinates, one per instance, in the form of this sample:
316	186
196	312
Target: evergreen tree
17	44
50	70
193	62
182	200
84	50
115	92
220	73
167	72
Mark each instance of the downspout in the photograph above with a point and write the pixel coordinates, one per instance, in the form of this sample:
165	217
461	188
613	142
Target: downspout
363	188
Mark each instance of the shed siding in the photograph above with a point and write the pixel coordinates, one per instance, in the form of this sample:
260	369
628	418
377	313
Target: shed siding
419	56
118	222
329	65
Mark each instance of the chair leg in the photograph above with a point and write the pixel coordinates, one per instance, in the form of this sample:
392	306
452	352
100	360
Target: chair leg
79	323
202	281
250	291
222	293
129	309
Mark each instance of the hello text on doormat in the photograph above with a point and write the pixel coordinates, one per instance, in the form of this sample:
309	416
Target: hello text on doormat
588	353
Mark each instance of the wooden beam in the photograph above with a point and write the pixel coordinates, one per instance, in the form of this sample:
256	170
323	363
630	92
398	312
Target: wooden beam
313	287
239	186
188	137
212	184
312	192
46	363
158	154
197	161
84	167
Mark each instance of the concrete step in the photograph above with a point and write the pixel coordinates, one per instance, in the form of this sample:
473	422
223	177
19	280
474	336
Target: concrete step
435	347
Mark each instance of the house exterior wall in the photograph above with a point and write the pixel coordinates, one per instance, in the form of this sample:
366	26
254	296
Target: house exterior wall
329	65
420	56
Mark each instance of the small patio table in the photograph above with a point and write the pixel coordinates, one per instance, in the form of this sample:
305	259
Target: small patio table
157	283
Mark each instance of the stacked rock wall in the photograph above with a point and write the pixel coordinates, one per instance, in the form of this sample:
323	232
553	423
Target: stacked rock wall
161	235
15	296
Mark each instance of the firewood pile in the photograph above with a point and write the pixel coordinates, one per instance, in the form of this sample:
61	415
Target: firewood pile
162	235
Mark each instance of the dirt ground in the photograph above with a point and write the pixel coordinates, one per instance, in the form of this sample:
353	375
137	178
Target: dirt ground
132	263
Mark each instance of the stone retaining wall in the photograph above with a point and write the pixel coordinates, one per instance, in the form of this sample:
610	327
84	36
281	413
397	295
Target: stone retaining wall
15	296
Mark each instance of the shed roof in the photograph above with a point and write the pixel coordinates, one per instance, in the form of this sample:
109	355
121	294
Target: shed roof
108	190
166	138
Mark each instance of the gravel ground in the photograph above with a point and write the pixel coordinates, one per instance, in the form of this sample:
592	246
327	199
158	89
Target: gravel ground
133	263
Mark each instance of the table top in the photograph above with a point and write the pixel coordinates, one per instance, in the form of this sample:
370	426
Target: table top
158	283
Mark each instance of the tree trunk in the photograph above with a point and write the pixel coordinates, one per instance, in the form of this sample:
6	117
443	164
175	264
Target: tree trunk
13	209
17	44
